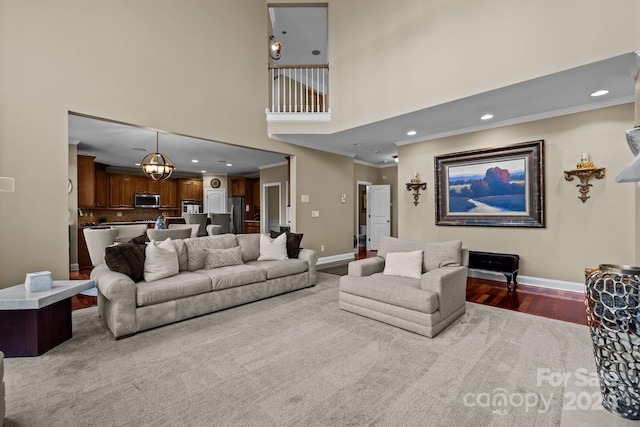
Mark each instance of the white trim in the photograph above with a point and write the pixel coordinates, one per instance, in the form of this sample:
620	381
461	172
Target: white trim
277	137
373	165
265	205
273	165
336	258
298	117
530	281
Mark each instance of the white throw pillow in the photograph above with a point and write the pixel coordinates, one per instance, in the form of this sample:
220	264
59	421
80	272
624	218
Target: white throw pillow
273	250
161	260
403	264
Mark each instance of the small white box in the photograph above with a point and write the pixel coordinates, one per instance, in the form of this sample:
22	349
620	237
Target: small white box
38	281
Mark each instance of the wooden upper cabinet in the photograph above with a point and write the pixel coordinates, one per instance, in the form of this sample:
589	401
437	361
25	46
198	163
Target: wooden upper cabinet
121	191
144	185
102	186
190	189
256	193
238	187
86	182
168	194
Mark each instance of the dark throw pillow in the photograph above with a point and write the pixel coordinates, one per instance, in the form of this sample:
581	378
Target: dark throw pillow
126	258
293	242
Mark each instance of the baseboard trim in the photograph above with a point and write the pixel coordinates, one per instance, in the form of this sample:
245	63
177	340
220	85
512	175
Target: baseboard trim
340	258
530	281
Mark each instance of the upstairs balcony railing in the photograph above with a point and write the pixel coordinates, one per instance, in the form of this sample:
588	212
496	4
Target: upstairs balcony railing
300	89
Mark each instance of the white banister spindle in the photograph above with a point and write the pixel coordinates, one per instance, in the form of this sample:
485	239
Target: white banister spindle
324	94
304	92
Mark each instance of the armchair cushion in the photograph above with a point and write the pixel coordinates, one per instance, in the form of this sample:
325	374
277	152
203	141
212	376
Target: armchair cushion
435	254
404	264
401	291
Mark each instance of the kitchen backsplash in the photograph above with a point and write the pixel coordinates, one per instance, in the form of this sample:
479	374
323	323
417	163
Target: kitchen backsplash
91	216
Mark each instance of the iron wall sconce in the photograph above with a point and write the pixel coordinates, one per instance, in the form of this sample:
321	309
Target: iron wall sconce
415	185
585	169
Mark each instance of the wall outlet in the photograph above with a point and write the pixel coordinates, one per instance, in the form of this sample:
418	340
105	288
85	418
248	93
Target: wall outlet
343	198
321	248
315	214
118	213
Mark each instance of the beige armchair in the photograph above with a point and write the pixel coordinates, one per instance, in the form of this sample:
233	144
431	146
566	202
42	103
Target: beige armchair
417	286
164	234
200	219
193	227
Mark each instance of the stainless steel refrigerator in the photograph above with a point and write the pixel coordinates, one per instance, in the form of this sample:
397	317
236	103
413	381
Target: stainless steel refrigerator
237	211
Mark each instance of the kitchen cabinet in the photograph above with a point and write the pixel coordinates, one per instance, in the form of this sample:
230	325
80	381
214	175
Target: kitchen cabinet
238	187
256	194
252	227
86	182
102	186
121	191
168	194
190	189
144	185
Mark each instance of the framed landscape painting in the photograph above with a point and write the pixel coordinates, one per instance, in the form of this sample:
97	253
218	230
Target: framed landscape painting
498	187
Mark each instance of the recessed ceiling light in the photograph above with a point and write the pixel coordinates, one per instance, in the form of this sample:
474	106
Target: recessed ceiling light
376	151
411	132
203	171
315	52
229	164
139	149
137	164
487	117
600	92
194	161
358	144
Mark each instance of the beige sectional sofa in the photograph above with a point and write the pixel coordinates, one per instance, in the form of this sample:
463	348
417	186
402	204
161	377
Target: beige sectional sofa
424	290
128	307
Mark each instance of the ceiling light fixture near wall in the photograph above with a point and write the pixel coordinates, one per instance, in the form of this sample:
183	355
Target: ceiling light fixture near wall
411	133
276	47
157	166
600	92
487	117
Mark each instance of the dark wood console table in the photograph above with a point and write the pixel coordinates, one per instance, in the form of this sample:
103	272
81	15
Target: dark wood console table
506	264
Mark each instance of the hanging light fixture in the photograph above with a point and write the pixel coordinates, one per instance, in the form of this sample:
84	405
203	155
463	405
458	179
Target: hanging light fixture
157	166
276	46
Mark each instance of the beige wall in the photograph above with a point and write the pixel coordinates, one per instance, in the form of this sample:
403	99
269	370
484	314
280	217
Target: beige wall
577	235
446	50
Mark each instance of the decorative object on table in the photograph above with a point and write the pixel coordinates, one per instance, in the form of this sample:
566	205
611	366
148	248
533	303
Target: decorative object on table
585	169
613	315
38	281
157	166
160	224
415	185
498	187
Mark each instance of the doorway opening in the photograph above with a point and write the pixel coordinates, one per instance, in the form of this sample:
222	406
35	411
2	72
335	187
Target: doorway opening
272	210
361	226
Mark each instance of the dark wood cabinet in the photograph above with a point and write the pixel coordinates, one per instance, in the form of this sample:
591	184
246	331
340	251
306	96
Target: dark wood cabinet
121	191
86	182
238	187
144	185
168	194
252	227
102	186
190	189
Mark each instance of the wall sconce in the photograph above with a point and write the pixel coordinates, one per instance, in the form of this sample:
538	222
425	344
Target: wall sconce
415	185
585	169
276	47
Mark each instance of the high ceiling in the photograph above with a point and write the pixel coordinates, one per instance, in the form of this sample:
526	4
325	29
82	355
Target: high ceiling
302	30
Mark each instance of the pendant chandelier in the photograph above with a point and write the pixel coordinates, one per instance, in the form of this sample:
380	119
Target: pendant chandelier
157	166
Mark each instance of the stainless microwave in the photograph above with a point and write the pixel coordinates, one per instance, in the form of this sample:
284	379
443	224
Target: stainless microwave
146	200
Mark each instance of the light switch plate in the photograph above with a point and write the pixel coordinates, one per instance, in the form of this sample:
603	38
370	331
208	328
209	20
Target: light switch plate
315	214
304	198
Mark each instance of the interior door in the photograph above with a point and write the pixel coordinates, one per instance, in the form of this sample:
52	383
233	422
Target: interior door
216	201
379	207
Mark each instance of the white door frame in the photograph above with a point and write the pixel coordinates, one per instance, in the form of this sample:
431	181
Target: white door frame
372	245
265	205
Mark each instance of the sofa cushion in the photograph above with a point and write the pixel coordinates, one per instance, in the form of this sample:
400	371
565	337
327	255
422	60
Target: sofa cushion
435	254
293	242
282	268
216	258
273	249
179	286
161	260
126	258
249	245
196	246
234	275
403	264
181	251
399	291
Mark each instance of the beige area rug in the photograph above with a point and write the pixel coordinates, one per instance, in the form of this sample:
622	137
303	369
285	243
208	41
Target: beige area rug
298	360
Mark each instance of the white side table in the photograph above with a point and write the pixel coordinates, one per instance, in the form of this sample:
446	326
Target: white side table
32	323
